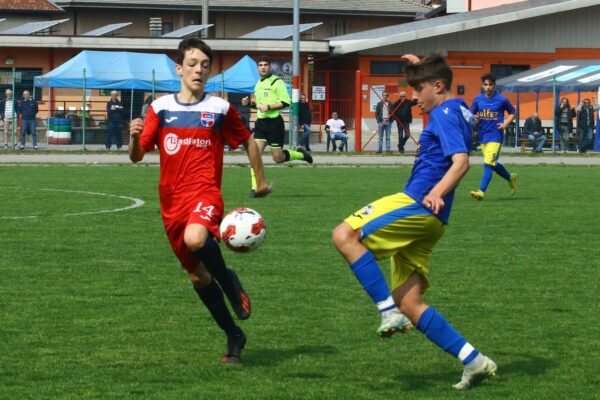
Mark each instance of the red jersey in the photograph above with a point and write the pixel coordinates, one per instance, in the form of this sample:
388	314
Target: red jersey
190	139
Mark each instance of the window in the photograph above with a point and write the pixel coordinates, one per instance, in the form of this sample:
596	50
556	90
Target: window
23	81
503	70
387	67
167	27
339	27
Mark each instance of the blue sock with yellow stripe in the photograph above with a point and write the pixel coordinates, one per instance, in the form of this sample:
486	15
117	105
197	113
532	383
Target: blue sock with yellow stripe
440	332
372	280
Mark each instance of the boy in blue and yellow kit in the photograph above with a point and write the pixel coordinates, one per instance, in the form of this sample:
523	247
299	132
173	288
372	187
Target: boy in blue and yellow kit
488	109
405	226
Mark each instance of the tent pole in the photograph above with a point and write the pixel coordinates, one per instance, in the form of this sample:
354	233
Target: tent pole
537	100
15	116
518	117
153	84
554	94
130	107
83	111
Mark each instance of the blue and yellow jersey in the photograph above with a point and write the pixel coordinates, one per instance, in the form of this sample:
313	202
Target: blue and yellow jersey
447	133
269	90
491	113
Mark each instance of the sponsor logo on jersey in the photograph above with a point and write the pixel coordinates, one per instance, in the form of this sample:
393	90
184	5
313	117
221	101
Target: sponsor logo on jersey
207	119
367	210
488	114
169	120
172	143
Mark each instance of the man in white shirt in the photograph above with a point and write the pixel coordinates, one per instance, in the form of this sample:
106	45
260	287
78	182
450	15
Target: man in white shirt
336	129
8	115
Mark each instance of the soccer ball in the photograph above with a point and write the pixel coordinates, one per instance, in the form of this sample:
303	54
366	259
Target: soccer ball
243	230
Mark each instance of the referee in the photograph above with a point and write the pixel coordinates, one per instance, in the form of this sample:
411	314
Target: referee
270	97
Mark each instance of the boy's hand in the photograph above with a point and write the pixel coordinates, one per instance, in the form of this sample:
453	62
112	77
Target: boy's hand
411	58
136	127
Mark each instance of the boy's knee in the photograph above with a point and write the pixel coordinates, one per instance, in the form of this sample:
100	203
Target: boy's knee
194	239
342	234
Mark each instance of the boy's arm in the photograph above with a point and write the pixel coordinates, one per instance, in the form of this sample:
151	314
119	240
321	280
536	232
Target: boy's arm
136	151
255	158
435	199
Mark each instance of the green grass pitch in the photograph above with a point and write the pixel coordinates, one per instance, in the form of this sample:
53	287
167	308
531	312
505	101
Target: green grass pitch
95	305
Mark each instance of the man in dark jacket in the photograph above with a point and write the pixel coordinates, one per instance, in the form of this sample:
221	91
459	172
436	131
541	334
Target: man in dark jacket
564	115
28	109
533	132
304	120
585	124
114	111
403	116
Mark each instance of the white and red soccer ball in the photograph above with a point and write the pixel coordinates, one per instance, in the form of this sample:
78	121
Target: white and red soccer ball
243	230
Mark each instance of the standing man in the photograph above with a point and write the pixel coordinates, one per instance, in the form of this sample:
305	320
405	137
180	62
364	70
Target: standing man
304	120
114	130
403	115
28	108
585	124
533	132
404	227
270	97
190	129
384	126
488	109
8	113
564	115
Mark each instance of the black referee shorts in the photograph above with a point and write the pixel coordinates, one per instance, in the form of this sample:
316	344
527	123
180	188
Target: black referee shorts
270	130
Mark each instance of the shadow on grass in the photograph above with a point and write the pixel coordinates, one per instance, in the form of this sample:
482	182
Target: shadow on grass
271	357
527	366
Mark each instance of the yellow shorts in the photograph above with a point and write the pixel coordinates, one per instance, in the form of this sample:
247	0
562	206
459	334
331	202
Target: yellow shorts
399	228
491	152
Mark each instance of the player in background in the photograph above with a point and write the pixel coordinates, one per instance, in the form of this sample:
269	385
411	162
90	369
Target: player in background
270	98
488	109
190	129
405	226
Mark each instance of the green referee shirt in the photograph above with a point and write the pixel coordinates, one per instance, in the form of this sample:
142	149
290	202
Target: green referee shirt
270	90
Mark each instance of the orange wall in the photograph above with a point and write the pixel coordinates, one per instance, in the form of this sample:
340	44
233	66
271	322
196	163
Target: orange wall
468	67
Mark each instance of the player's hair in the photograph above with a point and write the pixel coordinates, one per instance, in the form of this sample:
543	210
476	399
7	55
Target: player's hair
430	69
488	77
193	43
264	58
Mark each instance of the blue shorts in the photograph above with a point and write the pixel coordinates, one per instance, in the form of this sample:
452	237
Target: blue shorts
399	228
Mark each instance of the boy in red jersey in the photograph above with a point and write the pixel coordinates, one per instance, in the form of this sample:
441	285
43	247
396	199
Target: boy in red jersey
190	129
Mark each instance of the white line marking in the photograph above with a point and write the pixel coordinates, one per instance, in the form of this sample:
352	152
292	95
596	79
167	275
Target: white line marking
135	203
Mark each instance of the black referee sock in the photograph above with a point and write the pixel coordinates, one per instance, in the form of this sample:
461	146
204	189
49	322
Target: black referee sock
212	258
213	299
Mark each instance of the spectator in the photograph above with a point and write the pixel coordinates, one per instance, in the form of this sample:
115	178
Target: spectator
533	131
564	115
114	131
403	115
8	113
336	129
585	124
304	120
28	109
147	103
384	125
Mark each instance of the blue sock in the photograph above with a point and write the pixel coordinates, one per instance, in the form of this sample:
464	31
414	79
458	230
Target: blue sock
440	332
486	177
500	170
372	280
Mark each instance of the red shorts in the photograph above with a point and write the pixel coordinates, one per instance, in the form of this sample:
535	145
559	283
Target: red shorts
204	209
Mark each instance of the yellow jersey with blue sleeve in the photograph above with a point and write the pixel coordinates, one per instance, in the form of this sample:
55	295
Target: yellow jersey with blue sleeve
268	90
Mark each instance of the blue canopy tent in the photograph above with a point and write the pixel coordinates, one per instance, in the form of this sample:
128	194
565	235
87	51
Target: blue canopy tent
240	78
114	70
556	77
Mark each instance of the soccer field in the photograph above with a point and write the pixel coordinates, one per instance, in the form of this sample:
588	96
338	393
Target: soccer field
93	304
